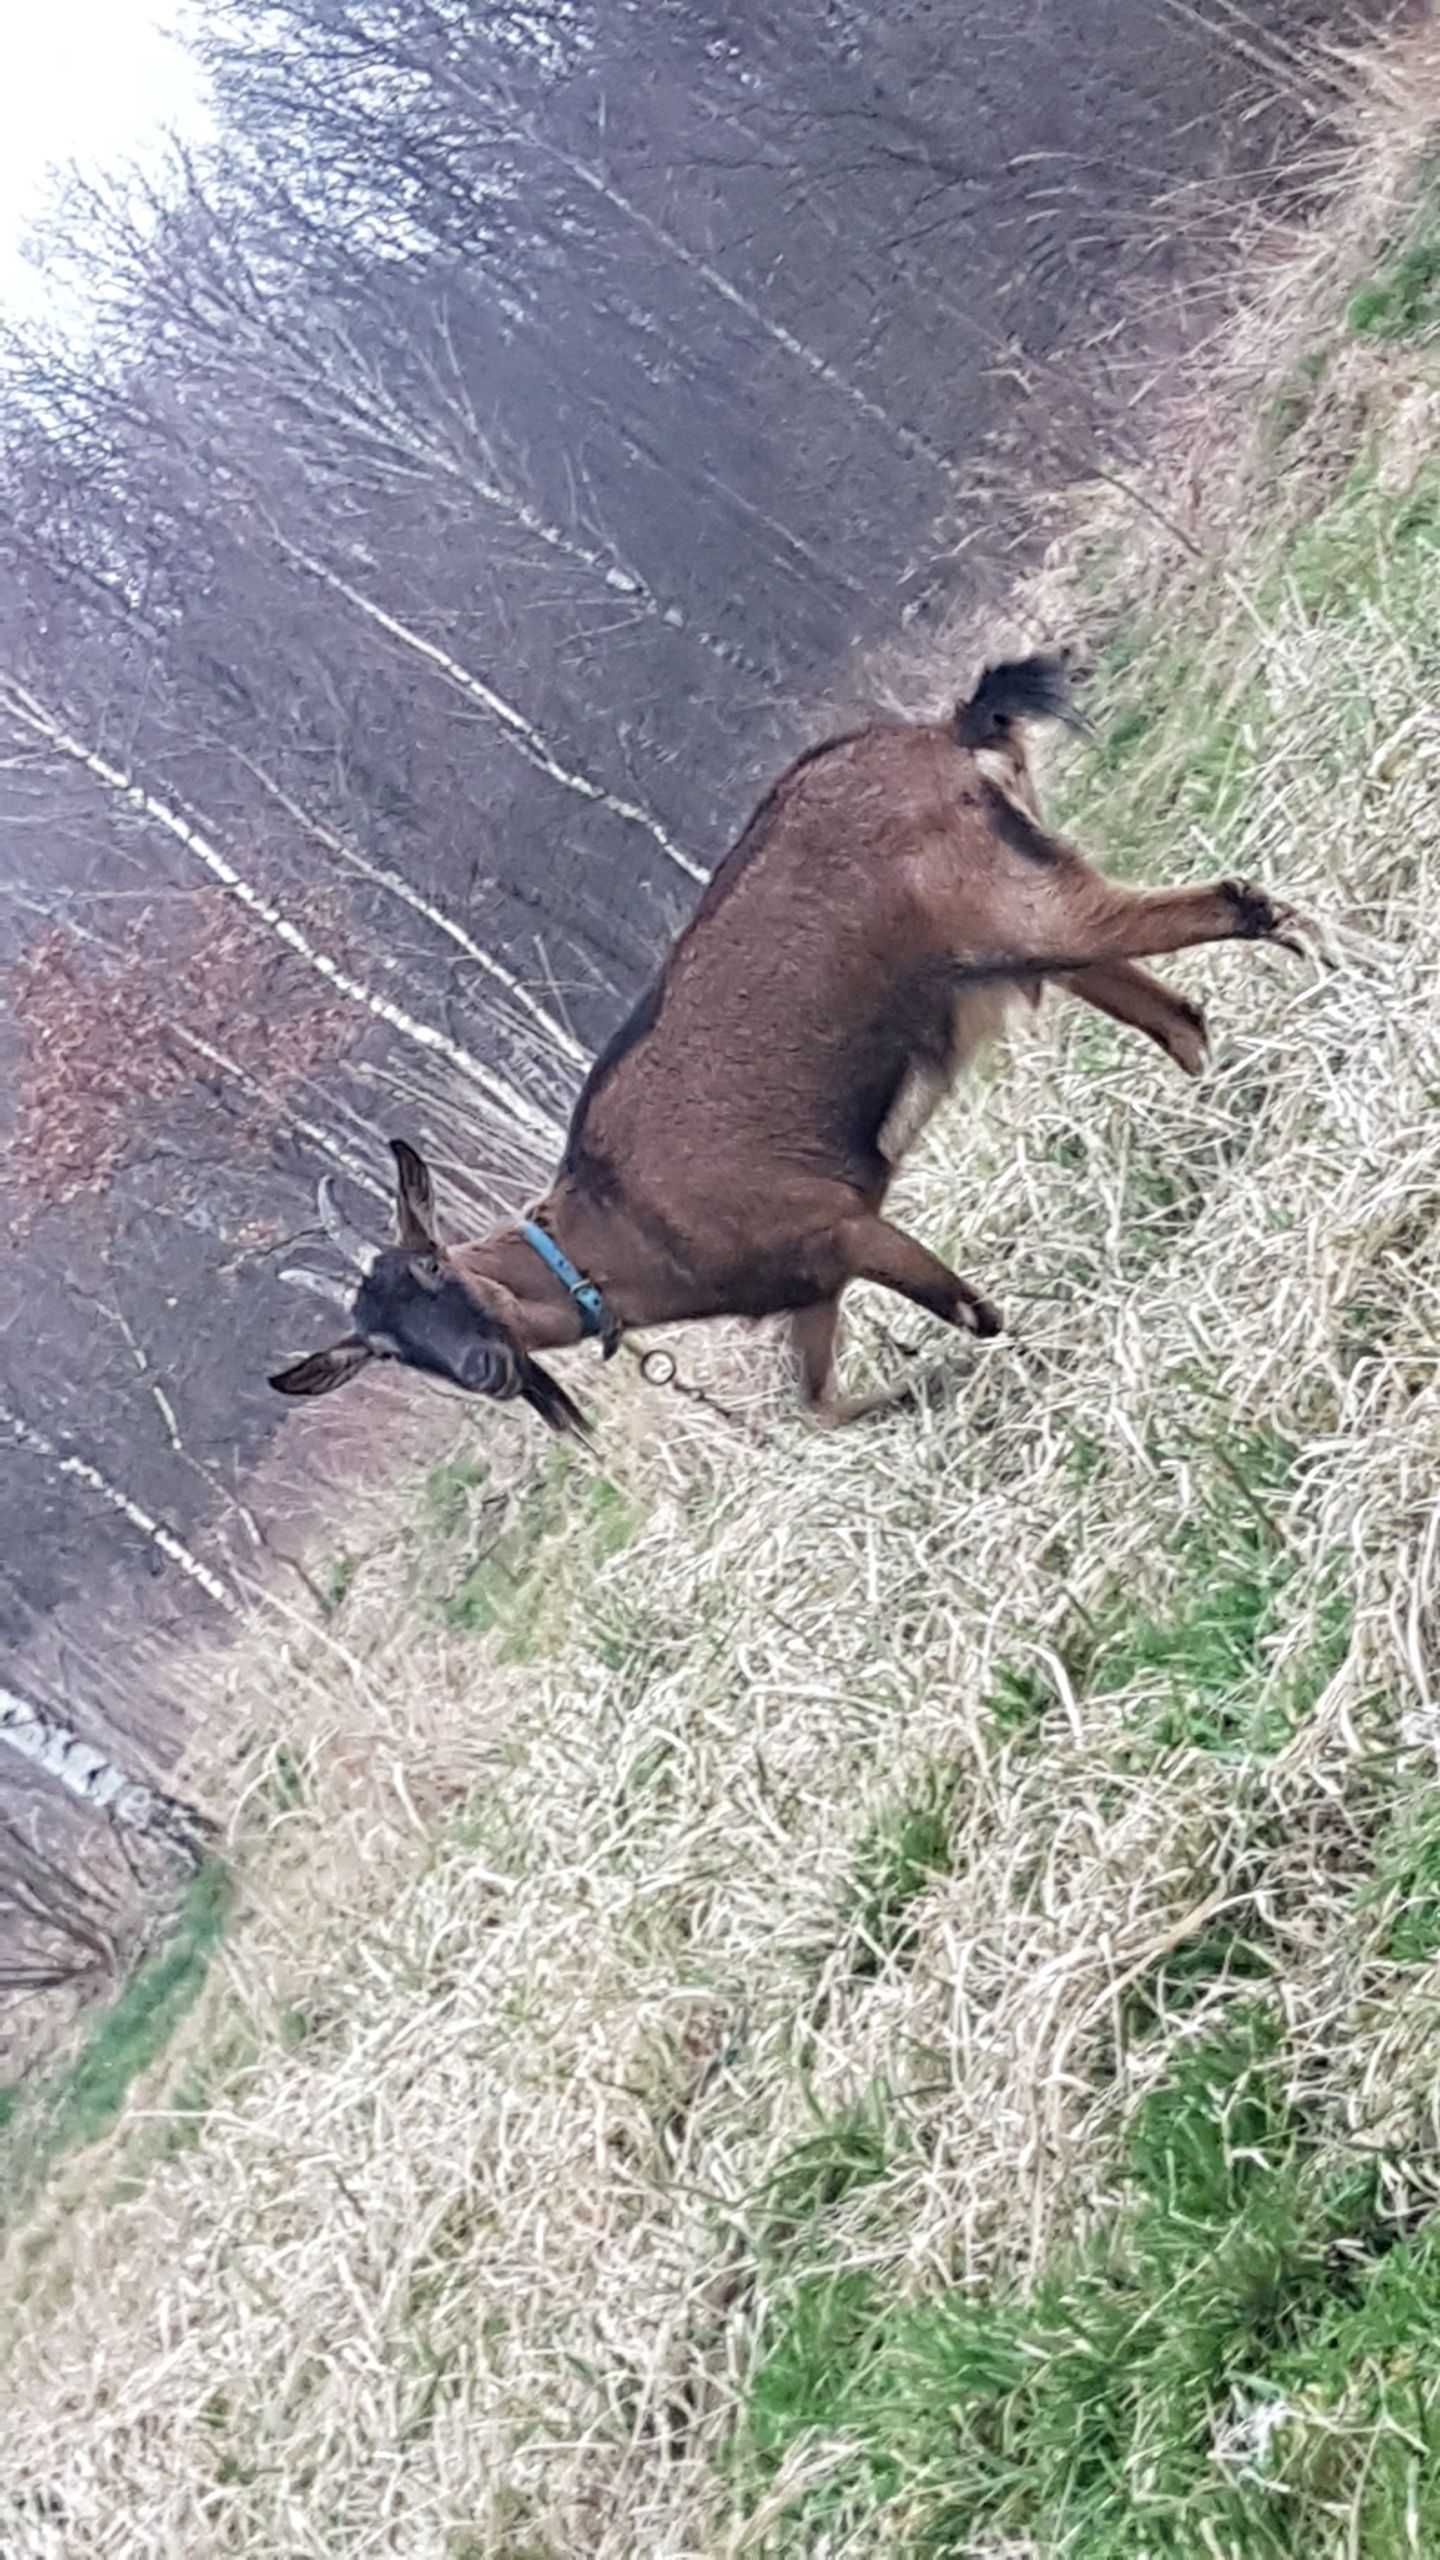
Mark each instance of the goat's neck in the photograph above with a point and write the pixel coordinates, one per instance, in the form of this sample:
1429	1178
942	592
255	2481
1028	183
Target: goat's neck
639	1280
507	1275
541	1309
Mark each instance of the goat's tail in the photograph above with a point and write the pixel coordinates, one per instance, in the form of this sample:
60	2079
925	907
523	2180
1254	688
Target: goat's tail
1019	689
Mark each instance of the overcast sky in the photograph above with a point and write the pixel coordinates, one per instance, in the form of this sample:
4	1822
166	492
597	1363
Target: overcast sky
94	81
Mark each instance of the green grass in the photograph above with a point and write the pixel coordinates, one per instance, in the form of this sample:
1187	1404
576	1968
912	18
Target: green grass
827	2332
1408	1883
1117	2407
88	2095
1402	299
507	1571
188	2106
1371	545
1186	728
1178	745
1195	1662
338	1581
898	1857
285	1779
1292	404
849	2153
448	1488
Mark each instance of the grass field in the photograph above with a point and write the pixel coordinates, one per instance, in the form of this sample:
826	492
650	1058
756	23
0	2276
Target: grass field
879	1994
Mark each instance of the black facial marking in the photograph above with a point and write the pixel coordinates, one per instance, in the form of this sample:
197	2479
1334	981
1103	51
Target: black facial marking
412	1309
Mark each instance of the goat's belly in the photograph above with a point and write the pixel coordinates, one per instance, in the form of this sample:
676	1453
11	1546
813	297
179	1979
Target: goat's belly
978	1015
914	1106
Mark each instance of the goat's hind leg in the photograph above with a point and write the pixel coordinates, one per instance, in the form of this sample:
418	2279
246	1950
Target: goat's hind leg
1130	994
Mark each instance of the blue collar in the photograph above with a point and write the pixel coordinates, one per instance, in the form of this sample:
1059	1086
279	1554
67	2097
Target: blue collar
593	1318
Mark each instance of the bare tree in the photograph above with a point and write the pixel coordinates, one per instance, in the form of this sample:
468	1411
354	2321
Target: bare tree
56	1929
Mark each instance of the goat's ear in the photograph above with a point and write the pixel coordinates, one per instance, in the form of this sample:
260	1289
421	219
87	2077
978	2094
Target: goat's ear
414	1199
322	1370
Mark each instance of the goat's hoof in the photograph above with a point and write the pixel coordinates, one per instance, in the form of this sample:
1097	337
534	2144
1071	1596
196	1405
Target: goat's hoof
841	1411
977	1316
1259	918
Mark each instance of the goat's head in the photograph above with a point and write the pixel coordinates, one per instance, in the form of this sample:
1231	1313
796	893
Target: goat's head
409	1302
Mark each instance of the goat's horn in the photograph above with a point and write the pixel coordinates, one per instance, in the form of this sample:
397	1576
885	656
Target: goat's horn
320	1285
357	1249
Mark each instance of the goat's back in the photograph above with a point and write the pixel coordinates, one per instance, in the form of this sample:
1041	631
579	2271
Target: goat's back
818	973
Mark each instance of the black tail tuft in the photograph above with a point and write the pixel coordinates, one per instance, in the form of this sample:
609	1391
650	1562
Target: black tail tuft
548	1398
1020	689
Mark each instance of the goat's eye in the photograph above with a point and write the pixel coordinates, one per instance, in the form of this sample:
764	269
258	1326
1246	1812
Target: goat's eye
427	1271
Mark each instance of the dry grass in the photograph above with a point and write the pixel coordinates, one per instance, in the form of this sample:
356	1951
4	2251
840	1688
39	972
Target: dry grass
837	1847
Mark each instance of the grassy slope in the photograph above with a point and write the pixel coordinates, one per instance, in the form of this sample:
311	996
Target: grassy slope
880	1994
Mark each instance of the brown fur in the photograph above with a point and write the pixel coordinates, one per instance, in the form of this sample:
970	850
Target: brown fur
893	896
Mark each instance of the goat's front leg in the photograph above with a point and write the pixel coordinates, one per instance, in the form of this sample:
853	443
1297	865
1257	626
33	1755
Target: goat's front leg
869	1248
1086	919
813	1342
1130	994
812	1339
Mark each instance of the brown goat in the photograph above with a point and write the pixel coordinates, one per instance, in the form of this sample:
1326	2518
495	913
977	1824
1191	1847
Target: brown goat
730	1153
